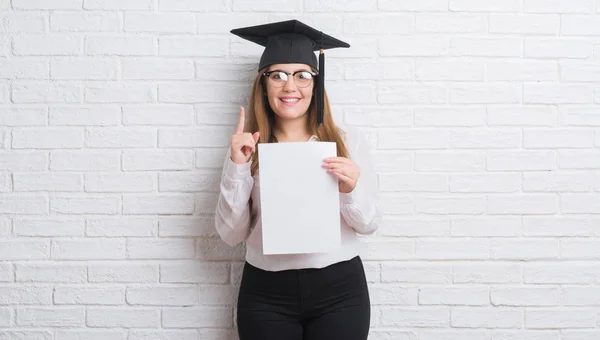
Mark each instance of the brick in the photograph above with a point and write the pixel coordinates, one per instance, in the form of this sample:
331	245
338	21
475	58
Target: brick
401	70
186	226
160	22
450	70
352	93
386	160
452	249
383	249
5	317
266	6
194	6
557	48
558	94
413	46
218	295
25	295
50	317
197	137
558	138
195	272
45	227
397	205
197	93
458	296
214	22
378	117
421	226
47	138
122	226
579	159
160	249
121	45
22	22
580	203
564	272
580	296
169	335
84	116
85	204
413	317
485	47
579	334
26	335
24	250
23	204
485	94
45	92
157	69
17	116
162	296
90	335
210	158
332	5
158	204
120	182
50	272
487	273
449	161
558	6
539	70
118	92
6	272
450	23
485	226
450	205
206	202
579	25
184	46
401	296
5	182
117	5
556	182
484	6
529	204
78	160
107	137
463	334
110	317
24	68
425	5
161	114
485	183
558	318
527	249
189	182
521	160
579	249
423	94
88	249
123	272
83	69
46	45
164	160
580	116
557	226
84	21
517	296
482	317
538	24
579	71
375	23
197	317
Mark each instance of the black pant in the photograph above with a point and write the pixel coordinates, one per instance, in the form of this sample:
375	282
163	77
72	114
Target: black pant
331	303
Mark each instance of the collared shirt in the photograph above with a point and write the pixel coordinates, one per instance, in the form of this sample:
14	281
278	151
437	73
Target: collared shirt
238	213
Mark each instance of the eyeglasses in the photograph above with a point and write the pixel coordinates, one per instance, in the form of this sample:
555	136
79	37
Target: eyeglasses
278	78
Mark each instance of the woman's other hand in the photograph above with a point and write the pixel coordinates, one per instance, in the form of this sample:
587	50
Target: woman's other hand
243	144
345	170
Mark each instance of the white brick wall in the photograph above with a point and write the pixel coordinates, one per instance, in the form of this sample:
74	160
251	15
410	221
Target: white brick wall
485	118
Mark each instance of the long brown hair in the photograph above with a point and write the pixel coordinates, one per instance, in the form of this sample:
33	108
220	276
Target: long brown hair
261	118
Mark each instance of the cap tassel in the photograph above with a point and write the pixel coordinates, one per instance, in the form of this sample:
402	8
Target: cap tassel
321	86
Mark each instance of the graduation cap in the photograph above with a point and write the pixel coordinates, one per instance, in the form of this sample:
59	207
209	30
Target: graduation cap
293	42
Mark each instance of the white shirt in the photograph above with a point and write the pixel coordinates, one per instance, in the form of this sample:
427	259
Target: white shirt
237	219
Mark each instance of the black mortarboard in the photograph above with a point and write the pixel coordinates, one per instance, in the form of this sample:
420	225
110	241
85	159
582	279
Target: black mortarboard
291	42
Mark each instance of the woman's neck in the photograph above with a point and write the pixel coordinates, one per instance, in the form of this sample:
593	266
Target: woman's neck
291	131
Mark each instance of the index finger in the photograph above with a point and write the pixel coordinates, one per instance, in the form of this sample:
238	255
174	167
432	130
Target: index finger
240	124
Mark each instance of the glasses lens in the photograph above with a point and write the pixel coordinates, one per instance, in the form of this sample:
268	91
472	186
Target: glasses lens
278	78
303	79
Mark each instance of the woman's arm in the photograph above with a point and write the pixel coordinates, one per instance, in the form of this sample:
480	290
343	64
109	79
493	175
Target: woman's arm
232	215
360	207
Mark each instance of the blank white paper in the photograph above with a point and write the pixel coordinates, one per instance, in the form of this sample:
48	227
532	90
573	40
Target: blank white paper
299	199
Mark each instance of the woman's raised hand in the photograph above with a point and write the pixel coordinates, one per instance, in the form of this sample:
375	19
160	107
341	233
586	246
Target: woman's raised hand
243	144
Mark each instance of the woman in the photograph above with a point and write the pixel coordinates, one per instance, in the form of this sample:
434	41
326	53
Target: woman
296	296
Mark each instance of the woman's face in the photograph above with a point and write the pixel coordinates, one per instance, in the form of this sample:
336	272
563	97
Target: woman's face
289	98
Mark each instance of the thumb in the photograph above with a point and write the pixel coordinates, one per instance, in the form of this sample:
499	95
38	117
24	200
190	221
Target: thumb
255	136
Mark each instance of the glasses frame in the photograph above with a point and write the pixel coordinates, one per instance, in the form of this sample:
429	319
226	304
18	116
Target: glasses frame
293	74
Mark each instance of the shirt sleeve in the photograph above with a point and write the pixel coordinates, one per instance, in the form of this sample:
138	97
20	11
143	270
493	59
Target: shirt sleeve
360	208
233	215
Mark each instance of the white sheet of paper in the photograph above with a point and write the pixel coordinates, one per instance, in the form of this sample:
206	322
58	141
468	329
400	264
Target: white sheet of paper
299	199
